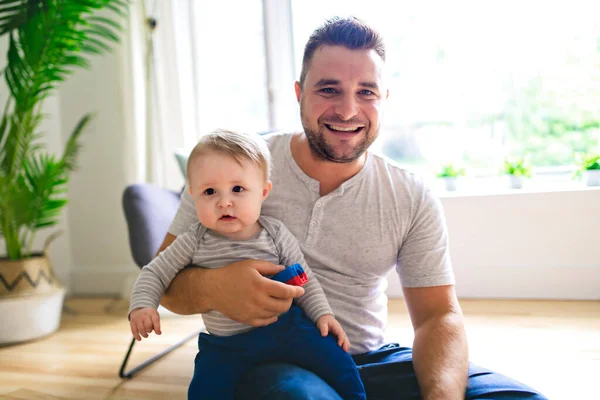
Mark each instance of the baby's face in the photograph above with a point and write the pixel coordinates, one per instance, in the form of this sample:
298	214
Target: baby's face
228	195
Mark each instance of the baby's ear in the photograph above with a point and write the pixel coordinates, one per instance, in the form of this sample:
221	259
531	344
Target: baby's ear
267	189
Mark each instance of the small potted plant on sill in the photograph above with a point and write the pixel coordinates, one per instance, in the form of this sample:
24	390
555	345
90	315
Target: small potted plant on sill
589	169
517	170
450	174
47	40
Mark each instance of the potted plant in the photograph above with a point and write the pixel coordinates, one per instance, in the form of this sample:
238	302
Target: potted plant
589	169
517	169
47	40
450	174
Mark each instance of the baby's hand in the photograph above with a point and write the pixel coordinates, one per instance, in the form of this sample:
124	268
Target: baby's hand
328	323
143	321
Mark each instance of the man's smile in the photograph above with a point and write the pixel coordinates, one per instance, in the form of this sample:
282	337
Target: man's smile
344	131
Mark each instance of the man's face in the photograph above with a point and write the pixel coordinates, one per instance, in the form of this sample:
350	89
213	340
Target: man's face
341	102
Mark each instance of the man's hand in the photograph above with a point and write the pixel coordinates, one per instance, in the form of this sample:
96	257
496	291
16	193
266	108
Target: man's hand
328	323
240	291
143	321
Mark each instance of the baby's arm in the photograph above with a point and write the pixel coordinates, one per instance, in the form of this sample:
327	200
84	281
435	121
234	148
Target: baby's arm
153	281
156	276
313	301
295	275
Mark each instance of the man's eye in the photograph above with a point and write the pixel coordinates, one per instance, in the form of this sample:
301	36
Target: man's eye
366	92
209	191
238	189
329	90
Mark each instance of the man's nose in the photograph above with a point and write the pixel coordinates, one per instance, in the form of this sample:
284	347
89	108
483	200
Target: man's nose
347	107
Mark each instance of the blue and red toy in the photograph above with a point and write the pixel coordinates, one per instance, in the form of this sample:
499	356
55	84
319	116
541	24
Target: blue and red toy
292	275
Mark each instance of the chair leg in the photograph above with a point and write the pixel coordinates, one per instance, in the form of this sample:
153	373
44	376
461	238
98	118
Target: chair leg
129	374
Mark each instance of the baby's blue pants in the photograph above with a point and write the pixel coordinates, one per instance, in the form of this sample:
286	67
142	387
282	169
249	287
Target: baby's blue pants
293	339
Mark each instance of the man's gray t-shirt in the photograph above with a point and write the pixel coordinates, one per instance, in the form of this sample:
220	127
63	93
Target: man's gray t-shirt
381	218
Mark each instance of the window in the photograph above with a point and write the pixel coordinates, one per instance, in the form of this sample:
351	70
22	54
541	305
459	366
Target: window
231	88
472	82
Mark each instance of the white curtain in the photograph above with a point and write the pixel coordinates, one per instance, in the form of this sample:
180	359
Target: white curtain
158	90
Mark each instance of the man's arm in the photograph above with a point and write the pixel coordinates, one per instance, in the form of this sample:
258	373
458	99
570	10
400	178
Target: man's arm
238	290
166	242
440	350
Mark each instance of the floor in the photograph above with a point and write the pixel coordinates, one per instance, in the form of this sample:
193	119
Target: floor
553	346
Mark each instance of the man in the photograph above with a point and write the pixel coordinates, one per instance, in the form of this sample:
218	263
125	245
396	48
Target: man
357	216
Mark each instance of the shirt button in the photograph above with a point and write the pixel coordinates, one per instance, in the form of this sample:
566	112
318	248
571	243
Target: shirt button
313	223
318	204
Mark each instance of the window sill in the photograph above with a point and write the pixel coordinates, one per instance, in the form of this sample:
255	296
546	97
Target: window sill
474	190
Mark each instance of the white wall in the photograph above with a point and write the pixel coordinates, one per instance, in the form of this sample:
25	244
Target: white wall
524	244
60	250
527	245
98	231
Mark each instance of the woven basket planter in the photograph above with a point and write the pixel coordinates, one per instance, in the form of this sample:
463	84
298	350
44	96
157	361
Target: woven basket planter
31	299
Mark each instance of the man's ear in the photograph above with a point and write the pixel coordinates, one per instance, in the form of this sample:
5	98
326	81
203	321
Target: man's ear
267	189
298	90
387	93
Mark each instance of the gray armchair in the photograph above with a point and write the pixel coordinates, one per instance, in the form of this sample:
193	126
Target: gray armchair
149	210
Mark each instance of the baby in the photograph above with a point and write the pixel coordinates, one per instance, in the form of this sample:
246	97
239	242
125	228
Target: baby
228	179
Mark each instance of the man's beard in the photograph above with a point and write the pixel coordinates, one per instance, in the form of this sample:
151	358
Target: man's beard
323	150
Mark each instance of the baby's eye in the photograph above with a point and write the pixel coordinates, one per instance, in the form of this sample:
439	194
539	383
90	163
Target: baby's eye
238	189
209	191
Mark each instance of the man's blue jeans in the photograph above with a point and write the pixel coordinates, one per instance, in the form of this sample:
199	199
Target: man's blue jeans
387	374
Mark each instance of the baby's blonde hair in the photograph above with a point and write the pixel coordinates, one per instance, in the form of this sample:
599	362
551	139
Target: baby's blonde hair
240	146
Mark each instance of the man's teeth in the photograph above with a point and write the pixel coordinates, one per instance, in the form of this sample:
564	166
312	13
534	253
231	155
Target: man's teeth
344	128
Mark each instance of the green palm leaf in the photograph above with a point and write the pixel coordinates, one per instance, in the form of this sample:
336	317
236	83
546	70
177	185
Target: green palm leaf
14	13
35	61
3	127
48	40
73	146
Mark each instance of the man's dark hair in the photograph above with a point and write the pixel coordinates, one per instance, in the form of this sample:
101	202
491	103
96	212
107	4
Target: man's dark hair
350	32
